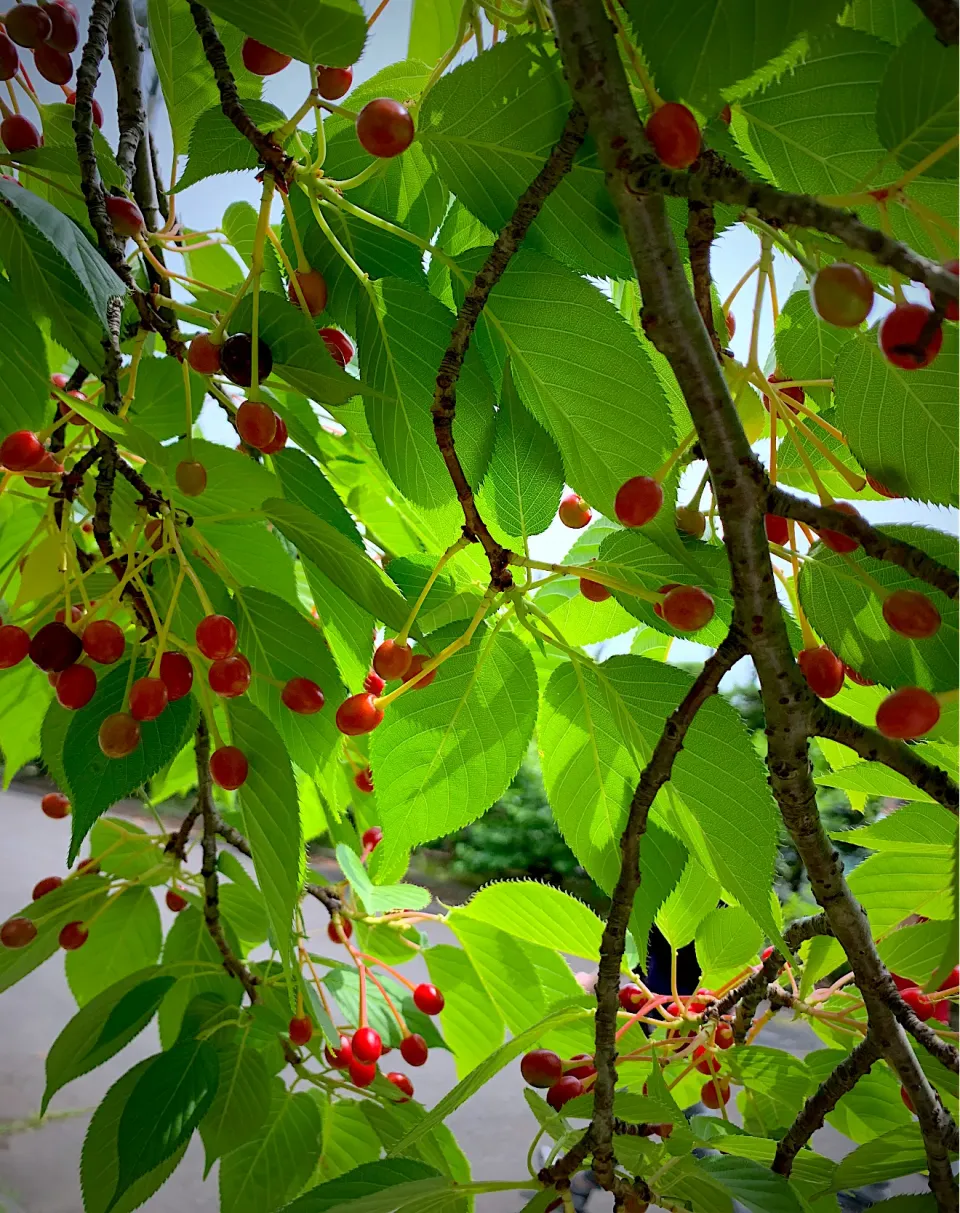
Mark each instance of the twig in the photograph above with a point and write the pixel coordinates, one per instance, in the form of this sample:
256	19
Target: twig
528	207
177	843
159	191
701	229
126	52
150	499
943	16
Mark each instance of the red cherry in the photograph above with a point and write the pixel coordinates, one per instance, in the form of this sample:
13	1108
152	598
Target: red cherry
367	1045
715	1094
706	1062
392	660
55	647
176	673
65	34
203	355
45	886
55	805
725	115
256	423
417	663
730	319
47	467
638	501
907	1101
229	677
148	698
302	696
631	998
541	1068
279	440
338	345
19	134
339	1058
28	25
21	450
842	295
384	128
403	1085
175	902
584	1071
664	589
334	82
574	512
593	591
153	533
313	287
952	980
882	488
901	332
833	539
18	932
918	1002
125	216
76	614
300	1030
191	477
119	735
723	1037
9	59
562	1091
14	645
358	714
103	641
74	935
908	713
76	687
71	99
344	932
373	684
776	529
229	767
687	608
262	60
673	131
856	678
428	999
690	521
216	637
53	65
952	311
911	614
236	359
89	866
372	837
362	1075
364	780
413	1049
823	671
793	393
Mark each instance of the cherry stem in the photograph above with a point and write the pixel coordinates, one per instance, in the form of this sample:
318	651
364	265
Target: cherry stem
590	573
302	263
350	115
283	133
451	551
401	1022
256	270
664	470
216	336
291	275
745	278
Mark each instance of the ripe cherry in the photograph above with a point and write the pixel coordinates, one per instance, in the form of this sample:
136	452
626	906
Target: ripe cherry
392	660
302	696
119	735
279	440
334	82
367	1045
417	663
723	1037
229	767
907	1101
842	295
574	512
262	60
256	423
908	713
125	215
236	359
55	805
638	501
715	1094
175	901
44	471
706	1062
45	886
857	678
339	930
229	677
339	1058
562	1091
413	1049
776	529
731	322
21	450
364	780
792	393
372	837
911	614
28	25
76	614
585	1071
153	533
176	672
673	131
338	345
76	687
74	935
403	1085
71	99
373	684
89	866
823	671
19	134
203	356
55	647
191	477
593	591
428	999
53	65
216	637
690	521
687	608
631	998
300	1030
9	59
313	287
103	641
385	128
909	336
664	589
65	35
18	932
358	714
918	1002
362	1075
14	645
952	311
148	698
833	539
541	1068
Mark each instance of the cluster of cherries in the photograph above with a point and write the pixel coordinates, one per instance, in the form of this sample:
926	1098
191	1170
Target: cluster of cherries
51	30
22	451
362	713
384	126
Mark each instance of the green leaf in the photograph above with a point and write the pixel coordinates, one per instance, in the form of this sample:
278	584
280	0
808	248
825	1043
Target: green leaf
188	944
24	703
125	938
344	985
899	1152
167	1102
242	1101
97	782
352	571
75	900
915	952
848	616
232	480
433	27
489	126
780	1081
443	755
871	779
901	425
379	899
26	401
241	902
890	20
727	940
472	1025
871	1108
915	827
402	340
694	897
373	1187
317	31
271	818
349	1140
807	347
663	862
239	222
159	407
754	1185
892	885
305	484
538	913
917	106
700	58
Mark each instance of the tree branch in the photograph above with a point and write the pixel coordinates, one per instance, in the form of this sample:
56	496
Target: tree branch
943	16
177	843
701	229
126	53
444	409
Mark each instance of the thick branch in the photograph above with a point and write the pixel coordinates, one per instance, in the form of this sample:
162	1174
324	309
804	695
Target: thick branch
701	229
822	1102
126	53
943	16
528	207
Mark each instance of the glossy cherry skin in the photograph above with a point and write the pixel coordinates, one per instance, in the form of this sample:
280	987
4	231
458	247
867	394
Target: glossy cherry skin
125	215
706	1063
364	781
19	134
574	512
303	696
18	932
857	678
373	684
216	637
262	60
688	608
911	614
413	1049
148	698
236	359
14	645
361	1074
43	472
103	641
76	686
256	423
339	1058
55	647
279	440
823	671
842	295
203	355
428	999
119	735
372	837
723	1038
417	663
562	1091
392	660
792	393
593	591
908	713
65	34
541	1068
714	1094
334	82
175	902
74	935
191	477
338	345
357	715
918	1002
673	131
229	677
21	450
638	501
176	672
631	998
300	1030
28	25
900	335
9	59
53	65
833	539
313	287
385	128
338	931
776	529
403	1085
367	1045
45	886
55	805
229	767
